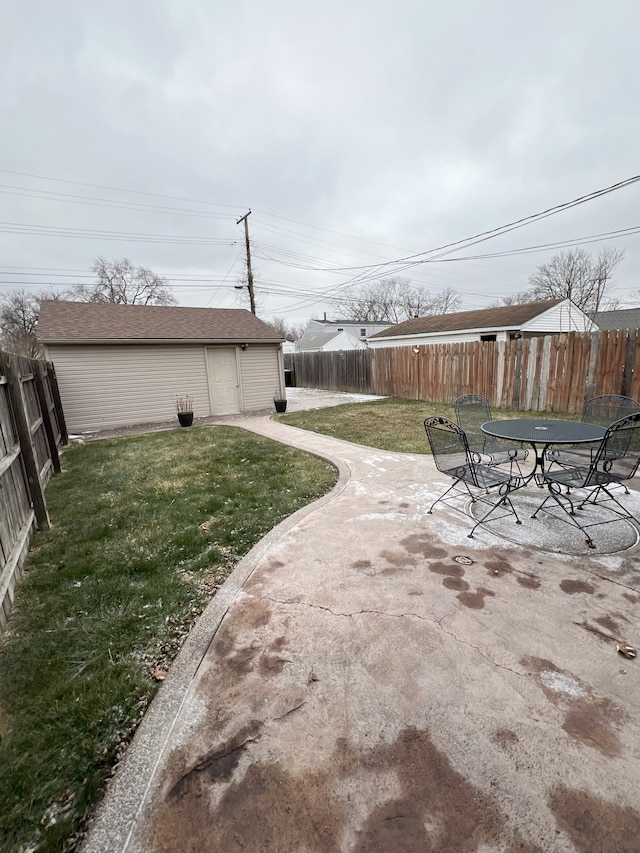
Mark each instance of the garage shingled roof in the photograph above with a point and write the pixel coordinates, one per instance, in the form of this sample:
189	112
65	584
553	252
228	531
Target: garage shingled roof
62	321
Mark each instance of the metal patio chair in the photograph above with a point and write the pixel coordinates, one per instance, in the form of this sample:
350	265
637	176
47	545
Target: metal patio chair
472	410
603	410
453	457
615	460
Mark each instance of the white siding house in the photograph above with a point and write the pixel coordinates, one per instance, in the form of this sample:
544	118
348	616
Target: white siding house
329	342
120	365
489	324
335	335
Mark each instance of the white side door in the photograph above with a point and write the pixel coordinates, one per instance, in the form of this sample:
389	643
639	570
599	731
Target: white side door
224	384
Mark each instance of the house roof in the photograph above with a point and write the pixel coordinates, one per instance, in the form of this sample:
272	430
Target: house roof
505	317
61	321
625	318
319	340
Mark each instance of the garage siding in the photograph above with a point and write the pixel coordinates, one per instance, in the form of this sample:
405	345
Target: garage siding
103	387
260	372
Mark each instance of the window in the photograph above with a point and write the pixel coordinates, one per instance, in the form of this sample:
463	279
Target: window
341	330
363	333
488	337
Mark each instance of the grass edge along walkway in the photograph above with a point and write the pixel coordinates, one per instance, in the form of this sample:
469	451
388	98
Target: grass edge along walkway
145	529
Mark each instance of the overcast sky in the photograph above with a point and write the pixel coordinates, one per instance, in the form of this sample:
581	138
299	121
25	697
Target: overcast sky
358	132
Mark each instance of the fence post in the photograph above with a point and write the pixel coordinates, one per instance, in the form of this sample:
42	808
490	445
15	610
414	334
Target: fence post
517	376
36	367
627	374
590	384
55	393
16	399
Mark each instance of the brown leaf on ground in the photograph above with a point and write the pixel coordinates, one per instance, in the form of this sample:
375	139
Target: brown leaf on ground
626	650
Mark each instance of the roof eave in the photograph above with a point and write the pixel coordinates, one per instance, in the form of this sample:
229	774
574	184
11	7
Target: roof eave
476	331
178	341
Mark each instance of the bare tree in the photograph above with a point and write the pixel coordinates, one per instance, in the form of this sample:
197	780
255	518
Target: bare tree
18	318
520	298
119	281
289	331
393	300
575	274
19	311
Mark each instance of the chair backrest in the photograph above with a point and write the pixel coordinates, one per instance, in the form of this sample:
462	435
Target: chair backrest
608	408
472	410
448	444
618	456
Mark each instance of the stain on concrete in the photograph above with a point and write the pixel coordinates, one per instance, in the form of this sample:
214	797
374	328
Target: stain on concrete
437	808
591	724
505	738
219	764
458	584
454	571
272	661
254	613
397	558
361	564
609	623
475	600
572	586
589	719
498	567
418	544
528	581
434	808
239	658
404	505
593	824
634	599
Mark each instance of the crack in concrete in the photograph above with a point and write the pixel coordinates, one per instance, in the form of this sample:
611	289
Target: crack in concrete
431	619
478	650
290	711
352	614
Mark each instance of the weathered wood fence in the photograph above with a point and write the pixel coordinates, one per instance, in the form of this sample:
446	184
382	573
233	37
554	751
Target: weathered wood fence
32	429
551	373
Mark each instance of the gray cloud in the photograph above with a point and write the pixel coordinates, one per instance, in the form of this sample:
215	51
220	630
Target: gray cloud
407	125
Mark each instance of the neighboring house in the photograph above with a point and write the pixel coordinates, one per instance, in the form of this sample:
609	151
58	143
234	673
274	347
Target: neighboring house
360	330
328	342
119	365
488	324
625	318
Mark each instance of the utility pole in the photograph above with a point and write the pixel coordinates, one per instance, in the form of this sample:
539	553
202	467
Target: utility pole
252	300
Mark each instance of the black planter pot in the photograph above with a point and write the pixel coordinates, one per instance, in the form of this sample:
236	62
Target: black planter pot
281	405
185	418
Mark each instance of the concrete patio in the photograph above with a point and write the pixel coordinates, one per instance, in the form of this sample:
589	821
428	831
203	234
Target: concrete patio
370	679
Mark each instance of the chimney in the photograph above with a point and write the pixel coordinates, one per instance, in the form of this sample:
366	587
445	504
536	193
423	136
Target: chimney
325	316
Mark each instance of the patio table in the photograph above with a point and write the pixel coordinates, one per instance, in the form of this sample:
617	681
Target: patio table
541	433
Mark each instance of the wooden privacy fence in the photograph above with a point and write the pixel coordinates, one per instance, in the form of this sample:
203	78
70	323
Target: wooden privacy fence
32	428
551	373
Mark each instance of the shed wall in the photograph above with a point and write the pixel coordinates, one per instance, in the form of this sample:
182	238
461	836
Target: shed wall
103	387
260	376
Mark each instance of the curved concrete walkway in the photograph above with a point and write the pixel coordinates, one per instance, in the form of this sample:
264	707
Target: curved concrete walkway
370	679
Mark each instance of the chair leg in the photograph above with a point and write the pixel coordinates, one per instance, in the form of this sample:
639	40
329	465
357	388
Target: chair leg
555	493
451	487
592	498
504	500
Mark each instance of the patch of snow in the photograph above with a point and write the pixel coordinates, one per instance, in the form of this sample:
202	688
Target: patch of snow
560	683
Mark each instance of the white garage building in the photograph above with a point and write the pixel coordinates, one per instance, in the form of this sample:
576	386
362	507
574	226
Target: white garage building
120	365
